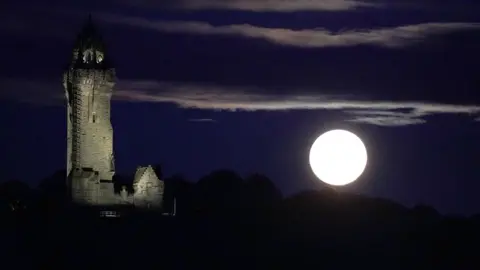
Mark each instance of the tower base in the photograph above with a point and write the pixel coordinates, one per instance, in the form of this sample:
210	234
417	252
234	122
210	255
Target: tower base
88	189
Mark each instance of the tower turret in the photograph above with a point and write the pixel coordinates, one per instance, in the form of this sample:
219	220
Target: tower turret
88	83
89	49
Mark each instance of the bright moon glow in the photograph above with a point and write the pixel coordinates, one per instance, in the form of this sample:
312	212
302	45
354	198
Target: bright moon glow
338	157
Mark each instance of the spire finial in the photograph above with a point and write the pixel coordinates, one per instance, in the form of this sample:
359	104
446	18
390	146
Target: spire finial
89	27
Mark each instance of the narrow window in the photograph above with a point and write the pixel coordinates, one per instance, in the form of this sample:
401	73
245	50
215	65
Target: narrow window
94	117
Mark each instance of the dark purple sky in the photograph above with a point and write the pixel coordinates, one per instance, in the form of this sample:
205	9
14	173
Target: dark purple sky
249	84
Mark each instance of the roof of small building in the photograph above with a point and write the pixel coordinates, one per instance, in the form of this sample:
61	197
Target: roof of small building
141	171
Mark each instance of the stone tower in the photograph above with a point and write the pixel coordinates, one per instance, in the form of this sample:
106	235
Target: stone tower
88	83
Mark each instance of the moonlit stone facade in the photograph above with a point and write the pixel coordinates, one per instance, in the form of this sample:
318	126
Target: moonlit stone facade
88	82
148	189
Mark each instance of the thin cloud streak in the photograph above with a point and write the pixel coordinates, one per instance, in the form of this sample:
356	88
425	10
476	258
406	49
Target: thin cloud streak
383	113
256	5
202	120
211	97
308	38
393	117
388	121
197	97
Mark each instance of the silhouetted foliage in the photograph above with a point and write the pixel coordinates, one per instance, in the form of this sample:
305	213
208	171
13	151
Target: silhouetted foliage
52	192
179	191
222	217
15	196
220	191
260	192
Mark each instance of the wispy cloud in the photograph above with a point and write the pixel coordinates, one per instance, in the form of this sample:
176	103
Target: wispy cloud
38	92
256	5
211	97
376	112
388	121
386	37
203	120
299	5
395	118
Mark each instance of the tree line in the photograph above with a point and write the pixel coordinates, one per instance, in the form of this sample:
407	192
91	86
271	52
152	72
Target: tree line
223	216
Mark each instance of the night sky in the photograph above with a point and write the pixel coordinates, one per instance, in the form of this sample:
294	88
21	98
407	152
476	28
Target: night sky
248	85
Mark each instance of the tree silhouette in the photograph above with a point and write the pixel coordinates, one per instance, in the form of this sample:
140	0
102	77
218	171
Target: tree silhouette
260	192
15	196
220	191
179	191
222	216
52	192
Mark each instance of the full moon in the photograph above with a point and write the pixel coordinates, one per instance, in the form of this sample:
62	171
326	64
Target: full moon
338	157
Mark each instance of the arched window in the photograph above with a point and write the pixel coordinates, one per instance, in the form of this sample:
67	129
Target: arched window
99	57
88	56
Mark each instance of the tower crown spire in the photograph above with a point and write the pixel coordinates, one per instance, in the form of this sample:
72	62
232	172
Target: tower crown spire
89	49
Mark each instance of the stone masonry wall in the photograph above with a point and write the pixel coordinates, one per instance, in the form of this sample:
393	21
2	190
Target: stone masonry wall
148	189
90	135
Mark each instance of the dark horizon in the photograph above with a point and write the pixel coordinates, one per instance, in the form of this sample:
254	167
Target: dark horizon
221	219
249	88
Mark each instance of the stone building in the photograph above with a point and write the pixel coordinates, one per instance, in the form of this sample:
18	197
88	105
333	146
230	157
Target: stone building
88	82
